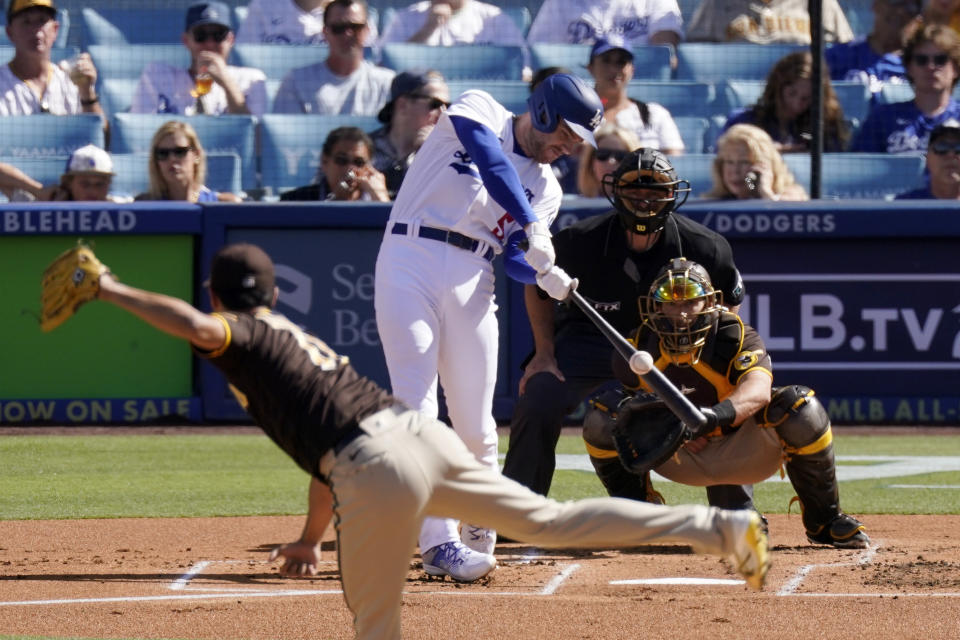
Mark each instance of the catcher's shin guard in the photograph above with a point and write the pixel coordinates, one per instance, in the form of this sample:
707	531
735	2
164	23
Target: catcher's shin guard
804	429
620	483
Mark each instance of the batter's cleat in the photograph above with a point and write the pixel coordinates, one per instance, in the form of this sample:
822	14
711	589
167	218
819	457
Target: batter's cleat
479	539
457	561
843	532
750	556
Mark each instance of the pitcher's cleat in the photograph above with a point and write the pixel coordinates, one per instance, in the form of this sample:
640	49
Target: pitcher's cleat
750	556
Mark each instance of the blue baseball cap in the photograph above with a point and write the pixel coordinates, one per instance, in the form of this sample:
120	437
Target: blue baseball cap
202	13
608	43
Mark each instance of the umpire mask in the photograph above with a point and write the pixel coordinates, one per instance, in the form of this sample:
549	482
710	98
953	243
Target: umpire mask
681	308
644	190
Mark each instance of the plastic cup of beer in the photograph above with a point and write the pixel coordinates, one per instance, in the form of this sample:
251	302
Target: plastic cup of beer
203	82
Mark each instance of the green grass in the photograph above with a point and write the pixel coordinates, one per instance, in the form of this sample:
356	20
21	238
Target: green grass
105	476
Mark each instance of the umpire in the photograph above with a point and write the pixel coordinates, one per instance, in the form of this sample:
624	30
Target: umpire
616	256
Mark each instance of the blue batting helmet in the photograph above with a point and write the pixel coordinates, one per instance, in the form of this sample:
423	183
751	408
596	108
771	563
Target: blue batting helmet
566	97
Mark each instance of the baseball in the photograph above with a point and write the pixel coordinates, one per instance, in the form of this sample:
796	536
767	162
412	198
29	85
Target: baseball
641	362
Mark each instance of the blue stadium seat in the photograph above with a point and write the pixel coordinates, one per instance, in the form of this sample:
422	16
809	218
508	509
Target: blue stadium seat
276	60
461	62
128	60
63	17
861	175
854	97
116	94
45	135
693	131
649	62
679	97
512	94
46	170
713	61
290	146
132	26
132	132
133	174
859	14
695	169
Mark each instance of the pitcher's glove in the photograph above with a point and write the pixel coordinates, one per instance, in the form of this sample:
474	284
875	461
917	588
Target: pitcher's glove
68	282
646	433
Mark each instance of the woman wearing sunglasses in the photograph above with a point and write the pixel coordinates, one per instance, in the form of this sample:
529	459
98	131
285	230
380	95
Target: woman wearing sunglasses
346	171
931	56
613	145
178	167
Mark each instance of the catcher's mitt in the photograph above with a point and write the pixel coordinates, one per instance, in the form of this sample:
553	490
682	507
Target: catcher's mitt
646	433
68	282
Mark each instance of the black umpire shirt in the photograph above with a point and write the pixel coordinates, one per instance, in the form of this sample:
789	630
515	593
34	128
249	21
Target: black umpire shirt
612	277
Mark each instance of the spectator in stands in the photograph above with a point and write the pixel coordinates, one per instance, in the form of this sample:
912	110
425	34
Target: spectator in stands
30	83
639	22
416	101
178	167
346	171
16	185
783	109
875	59
88	176
614	143
210	86
943	165
286	22
611	65
784	21
931	56
748	165
344	83
946	12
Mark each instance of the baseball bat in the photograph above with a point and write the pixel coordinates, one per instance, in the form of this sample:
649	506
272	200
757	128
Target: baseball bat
639	361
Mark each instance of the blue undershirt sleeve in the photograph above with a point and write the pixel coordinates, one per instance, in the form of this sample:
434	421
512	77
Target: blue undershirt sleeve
514	264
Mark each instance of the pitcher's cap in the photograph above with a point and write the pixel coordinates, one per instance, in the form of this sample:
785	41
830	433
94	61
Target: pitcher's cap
241	275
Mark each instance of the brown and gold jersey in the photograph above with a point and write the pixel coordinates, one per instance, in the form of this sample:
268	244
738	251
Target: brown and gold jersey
297	389
732	350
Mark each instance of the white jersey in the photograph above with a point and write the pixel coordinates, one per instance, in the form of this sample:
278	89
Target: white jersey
583	21
61	98
164	88
476	23
284	22
658	132
443	188
316	89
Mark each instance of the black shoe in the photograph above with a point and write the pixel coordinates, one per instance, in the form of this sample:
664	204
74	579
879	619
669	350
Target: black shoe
844	532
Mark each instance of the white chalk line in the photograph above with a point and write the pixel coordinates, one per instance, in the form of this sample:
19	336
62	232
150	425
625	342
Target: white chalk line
790	587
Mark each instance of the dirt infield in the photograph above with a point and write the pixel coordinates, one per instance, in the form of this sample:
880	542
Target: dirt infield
208	578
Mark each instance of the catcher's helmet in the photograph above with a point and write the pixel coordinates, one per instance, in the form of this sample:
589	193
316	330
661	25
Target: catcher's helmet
628	190
566	97
681	308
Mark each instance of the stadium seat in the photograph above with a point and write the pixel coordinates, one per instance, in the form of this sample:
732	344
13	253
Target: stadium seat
859	14
695	169
713	61
46	170
133	174
693	131
116	94
680	98
290	146
276	60
512	94
132	133
861	175
854	97
460	62
128	60
44	135
132	26
649	62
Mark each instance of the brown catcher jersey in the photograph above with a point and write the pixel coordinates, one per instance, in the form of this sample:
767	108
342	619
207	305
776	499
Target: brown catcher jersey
297	389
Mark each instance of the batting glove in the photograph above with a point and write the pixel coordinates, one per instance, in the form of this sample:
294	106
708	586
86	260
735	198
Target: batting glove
556	283
539	254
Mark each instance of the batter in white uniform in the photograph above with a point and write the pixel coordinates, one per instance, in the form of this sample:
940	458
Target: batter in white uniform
480	185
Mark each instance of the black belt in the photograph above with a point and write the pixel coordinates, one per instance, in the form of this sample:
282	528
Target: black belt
443	235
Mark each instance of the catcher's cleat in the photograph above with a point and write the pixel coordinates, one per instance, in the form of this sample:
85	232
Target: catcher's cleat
750	556
479	539
457	561
844	532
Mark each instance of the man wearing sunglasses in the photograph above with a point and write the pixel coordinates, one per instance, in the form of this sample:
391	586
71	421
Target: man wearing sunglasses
931	56
344	83
346	172
210	86
417	98
287	22
943	165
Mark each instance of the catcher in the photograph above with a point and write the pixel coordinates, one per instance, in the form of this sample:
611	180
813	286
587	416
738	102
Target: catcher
751	426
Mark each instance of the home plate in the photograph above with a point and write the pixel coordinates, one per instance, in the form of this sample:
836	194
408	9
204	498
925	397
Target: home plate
696	581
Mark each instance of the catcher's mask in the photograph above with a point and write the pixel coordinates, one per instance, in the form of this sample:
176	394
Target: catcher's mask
644	189
681	308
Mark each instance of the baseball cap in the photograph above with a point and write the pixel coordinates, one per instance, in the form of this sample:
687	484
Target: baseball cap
945	128
90	159
202	13
609	43
566	97
404	84
241	275
16	6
